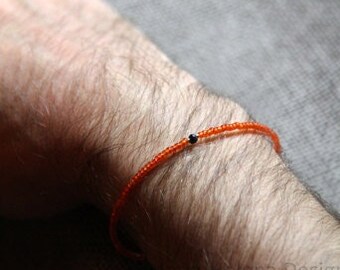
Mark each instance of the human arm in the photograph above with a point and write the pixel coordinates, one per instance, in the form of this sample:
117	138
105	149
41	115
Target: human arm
100	101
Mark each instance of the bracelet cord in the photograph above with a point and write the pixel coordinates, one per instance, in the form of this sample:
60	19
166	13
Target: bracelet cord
139	177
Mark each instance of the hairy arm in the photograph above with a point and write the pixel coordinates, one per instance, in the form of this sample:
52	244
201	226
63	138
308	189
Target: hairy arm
228	204
89	100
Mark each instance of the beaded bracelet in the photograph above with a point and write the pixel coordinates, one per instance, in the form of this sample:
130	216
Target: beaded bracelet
137	179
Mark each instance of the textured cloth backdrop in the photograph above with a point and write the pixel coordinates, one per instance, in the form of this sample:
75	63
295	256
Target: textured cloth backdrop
279	59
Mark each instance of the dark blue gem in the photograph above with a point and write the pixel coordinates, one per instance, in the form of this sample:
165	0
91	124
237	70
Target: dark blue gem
193	138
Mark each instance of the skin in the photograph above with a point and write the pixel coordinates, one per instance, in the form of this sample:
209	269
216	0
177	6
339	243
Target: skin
86	100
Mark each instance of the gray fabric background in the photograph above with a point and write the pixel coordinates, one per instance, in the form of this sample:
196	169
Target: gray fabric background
279	59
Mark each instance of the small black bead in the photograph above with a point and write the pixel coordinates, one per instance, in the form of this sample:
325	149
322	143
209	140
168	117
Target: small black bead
193	138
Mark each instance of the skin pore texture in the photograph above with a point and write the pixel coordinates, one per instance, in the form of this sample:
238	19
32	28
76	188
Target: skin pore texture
86	100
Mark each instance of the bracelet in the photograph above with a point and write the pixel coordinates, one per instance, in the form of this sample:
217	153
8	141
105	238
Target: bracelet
139	177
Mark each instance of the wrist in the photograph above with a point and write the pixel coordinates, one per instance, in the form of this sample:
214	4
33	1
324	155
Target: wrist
148	117
211	196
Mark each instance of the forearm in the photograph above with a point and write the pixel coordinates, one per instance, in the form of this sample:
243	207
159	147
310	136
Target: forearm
230	202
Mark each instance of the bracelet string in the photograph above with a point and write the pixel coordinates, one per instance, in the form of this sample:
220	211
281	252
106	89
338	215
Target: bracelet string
139	177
